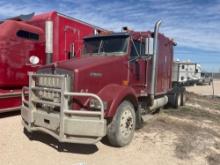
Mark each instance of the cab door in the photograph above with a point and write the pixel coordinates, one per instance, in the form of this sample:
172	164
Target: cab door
137	66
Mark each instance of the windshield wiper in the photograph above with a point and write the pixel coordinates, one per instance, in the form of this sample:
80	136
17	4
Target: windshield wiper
134	58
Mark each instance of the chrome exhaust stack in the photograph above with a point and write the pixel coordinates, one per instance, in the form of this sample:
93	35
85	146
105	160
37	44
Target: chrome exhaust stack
154	62
49	41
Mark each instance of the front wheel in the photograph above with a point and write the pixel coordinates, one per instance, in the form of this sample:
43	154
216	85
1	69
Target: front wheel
121	129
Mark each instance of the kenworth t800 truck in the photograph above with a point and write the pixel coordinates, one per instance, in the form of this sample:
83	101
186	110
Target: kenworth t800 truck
119	78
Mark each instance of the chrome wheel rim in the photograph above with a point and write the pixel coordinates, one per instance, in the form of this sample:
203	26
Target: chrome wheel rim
126	123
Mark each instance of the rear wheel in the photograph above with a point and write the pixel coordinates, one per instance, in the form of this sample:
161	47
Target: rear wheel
183	98
121	129
177	100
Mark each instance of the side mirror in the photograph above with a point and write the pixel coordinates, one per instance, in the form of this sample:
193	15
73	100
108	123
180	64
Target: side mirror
149	44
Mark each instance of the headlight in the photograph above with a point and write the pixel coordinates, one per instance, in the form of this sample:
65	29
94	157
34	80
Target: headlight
95	104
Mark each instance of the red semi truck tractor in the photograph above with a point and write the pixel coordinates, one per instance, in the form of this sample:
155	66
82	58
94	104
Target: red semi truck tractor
24	42
120	78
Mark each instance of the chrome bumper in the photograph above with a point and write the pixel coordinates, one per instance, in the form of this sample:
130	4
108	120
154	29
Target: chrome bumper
73	126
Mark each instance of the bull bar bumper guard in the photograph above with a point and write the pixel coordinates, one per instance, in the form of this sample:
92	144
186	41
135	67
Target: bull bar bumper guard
67	125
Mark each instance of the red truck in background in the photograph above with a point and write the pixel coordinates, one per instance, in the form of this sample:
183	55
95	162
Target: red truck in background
120	78
22	49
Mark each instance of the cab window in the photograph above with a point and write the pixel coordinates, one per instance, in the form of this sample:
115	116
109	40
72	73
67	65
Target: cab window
27	35
137	48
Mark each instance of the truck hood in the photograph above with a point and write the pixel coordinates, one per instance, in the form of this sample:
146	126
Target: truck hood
85	62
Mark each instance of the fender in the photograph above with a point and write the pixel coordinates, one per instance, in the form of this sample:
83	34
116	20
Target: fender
114	94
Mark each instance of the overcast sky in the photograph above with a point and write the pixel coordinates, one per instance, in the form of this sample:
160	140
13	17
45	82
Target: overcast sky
194	24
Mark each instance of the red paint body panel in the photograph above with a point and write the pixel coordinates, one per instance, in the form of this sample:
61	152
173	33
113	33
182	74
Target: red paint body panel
83	67
114	94
16	51
164	65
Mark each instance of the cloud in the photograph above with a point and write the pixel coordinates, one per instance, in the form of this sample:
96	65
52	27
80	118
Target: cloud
193	24
10	9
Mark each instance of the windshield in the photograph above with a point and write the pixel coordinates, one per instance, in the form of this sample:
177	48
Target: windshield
111	45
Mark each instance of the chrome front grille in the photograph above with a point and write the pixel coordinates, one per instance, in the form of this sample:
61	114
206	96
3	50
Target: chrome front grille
45	85
49	95
48	81
48	87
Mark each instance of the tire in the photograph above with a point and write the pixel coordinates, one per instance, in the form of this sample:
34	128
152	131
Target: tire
183	98
156	111
60	147
121	129
177	102
28	134
139	120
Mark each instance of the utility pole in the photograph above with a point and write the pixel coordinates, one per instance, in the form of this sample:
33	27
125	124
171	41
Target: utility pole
213	90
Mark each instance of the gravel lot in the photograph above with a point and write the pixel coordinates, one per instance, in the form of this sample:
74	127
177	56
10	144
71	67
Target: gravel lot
206	89
17	149
190	135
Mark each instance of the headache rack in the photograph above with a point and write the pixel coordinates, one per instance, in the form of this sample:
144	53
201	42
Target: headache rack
39	111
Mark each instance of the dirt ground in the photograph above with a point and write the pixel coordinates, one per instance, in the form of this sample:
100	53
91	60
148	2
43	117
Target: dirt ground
190	135
206	89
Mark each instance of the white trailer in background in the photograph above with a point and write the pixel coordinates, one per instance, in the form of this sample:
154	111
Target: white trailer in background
206	78
186	73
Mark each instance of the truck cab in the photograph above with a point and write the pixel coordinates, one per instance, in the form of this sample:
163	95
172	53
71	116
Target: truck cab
119	78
